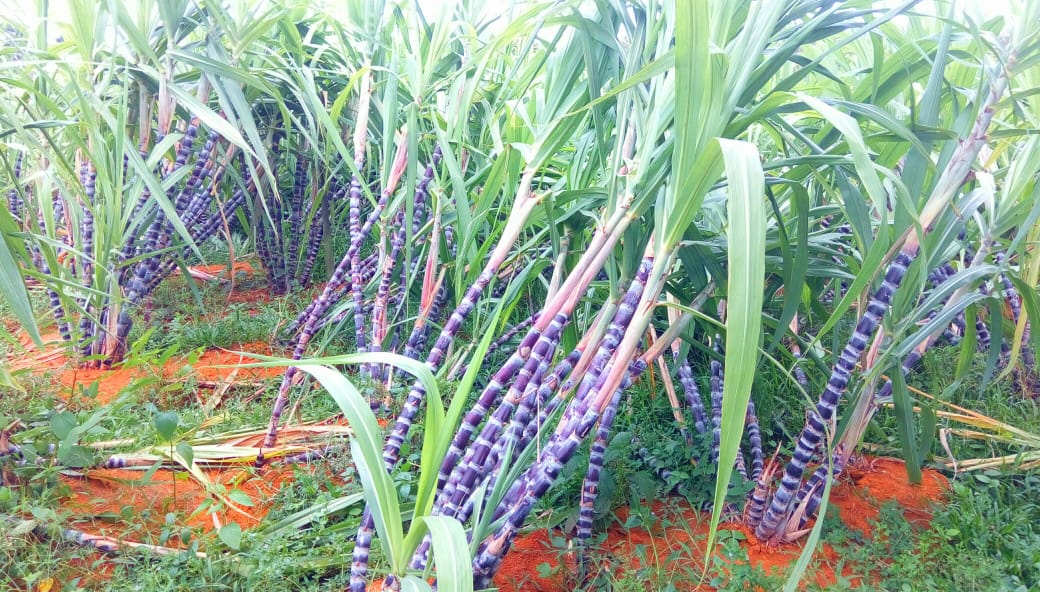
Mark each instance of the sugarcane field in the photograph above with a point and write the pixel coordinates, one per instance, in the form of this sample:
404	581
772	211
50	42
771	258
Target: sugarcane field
533	296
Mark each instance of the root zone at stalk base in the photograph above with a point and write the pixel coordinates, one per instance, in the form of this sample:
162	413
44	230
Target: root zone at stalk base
672	550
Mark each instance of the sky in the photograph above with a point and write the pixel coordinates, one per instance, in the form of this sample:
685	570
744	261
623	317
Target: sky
976	8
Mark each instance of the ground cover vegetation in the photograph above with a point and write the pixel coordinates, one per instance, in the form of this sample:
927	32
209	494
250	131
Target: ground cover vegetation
489	271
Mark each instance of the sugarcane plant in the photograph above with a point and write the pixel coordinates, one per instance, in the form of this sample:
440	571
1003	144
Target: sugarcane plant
117	185
162	153
529	394
478	479
937	222
538	212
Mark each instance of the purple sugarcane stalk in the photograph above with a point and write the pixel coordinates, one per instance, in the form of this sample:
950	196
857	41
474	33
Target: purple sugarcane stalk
296	217
397	244
146	275
622	318
502	340
314	239
521	428
86	325
203	232
368	271
693	396
580	410
536	481
62	231
56	308
521	210
457	482
1015	302
468	473
562	377
590	486
200	203
356	289
813	487
755	508
499	381
597	252
279	273
183	150
14	198
158	232
755	442
263	248
421	330
318	309
716	406
199	173
981	330
524	204
775	518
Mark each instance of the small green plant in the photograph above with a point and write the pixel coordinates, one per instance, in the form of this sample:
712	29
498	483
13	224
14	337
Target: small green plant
730	568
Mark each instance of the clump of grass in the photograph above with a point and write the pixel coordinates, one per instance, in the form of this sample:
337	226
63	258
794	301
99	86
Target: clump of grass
898	556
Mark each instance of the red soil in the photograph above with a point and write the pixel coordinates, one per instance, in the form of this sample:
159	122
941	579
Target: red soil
221	270
675	545
253	296
101	495
111	383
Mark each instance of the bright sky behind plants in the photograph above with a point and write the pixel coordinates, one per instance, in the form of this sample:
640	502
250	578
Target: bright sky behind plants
16	9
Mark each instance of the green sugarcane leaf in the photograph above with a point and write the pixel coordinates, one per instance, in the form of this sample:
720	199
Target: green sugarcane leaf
187	453
651	70
745	290
12	287
414	584
414	367
450	553
796	264
297	521
212	120
968	345
996	335
904	414
857	146
172	13
918	163
367	451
